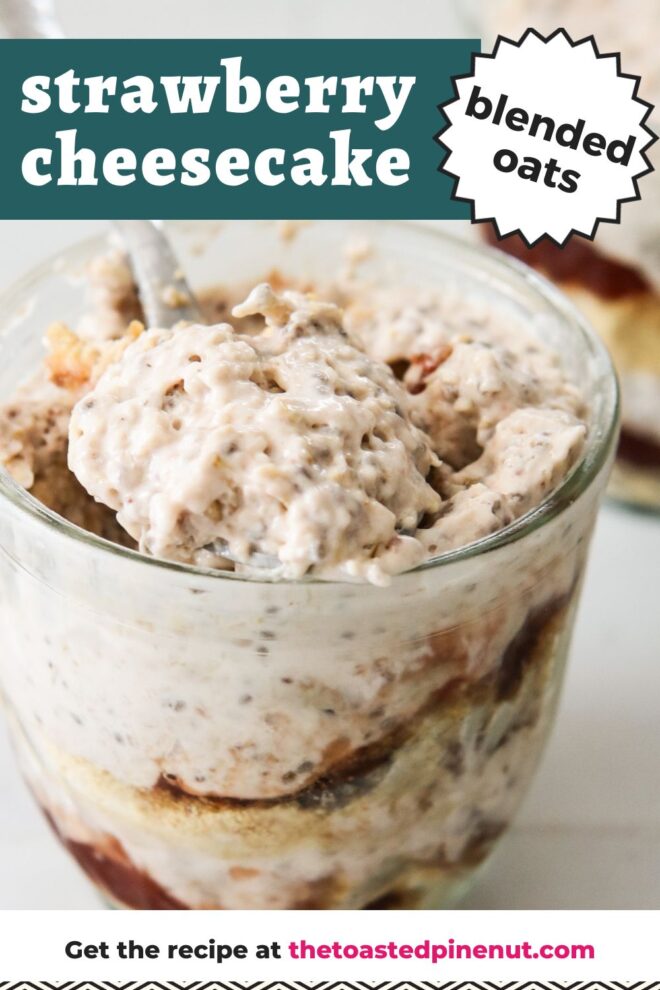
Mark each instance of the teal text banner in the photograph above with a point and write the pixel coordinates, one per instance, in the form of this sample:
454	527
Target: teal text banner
226	128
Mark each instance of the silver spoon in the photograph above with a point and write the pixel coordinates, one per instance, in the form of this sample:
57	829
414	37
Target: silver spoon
167	299
258	560
165	295
29	19
164	292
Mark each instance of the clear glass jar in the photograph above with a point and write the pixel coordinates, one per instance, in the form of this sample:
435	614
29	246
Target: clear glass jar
625	310
200	740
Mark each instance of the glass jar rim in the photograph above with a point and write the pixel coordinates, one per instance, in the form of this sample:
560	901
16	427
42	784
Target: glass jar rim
600	440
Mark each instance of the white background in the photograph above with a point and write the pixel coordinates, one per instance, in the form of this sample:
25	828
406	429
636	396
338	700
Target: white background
266	18
589	833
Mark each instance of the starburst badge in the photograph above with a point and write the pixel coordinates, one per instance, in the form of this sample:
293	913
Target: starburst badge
546	137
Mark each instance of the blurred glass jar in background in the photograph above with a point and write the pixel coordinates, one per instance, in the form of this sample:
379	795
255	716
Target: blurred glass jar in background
615	280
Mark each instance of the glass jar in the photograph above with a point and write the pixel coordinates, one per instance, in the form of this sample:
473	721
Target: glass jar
204	741
625	310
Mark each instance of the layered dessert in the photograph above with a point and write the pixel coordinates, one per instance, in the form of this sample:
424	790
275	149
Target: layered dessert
280	678
614	279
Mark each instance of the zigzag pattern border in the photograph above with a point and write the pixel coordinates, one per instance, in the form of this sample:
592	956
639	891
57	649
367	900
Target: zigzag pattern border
330	985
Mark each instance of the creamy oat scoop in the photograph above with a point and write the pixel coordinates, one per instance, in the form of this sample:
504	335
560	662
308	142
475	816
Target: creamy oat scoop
297	438
288	443
290	447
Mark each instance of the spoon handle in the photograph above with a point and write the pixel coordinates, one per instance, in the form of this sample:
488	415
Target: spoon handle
164	293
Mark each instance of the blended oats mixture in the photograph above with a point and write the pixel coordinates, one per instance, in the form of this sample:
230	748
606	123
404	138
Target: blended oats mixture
289	445
314	745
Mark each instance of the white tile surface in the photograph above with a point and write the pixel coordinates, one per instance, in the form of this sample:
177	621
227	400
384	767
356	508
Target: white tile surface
589	834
